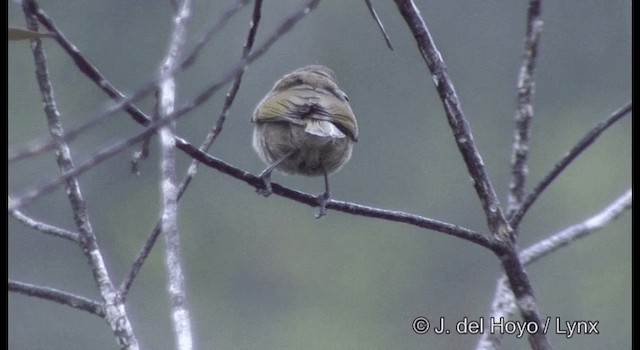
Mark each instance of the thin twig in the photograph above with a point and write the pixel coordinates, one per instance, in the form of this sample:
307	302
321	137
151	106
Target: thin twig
38	146
228	101
569	157
123	102
114	310
168	179
231	94
191	172
125	286
524	111
503	305
98	157
579	230
379	22
45	228
57	296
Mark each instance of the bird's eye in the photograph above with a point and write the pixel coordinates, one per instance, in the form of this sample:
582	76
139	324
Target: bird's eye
345	96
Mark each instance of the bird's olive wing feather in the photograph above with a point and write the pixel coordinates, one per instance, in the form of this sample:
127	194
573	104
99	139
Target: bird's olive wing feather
302	102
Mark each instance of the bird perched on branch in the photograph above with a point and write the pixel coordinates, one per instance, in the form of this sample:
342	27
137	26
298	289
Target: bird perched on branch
305	126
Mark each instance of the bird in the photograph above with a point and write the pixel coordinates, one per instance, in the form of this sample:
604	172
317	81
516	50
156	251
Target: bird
304	126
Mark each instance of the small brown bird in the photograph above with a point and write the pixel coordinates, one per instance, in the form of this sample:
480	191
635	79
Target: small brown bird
305	126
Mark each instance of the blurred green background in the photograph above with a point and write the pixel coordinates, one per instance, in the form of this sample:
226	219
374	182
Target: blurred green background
264	273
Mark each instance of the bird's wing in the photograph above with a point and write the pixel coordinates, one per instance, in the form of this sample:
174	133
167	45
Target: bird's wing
302	102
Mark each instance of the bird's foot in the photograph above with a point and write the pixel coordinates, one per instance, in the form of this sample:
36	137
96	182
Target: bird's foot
323	199
266	179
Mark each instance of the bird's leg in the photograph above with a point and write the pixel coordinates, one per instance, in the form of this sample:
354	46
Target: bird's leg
265	175
323	198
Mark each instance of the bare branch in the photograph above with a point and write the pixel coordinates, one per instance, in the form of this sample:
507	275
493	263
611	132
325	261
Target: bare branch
88	69
569	157
577	231
503	305
123	102
347	207
524	112
139	156
19	201
45	228
503	245
377	19
139	261
231	94
457	121
209	139
524	296
169	190
57	296
230	97
114	310
38	146
211	33
97	158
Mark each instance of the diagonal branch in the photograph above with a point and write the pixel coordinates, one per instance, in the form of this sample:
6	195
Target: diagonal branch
209	139
229	98
577	231
524	112
57	296
503	246
457	121
503	305
569	157
379	22
45	228
114	310
123	102
108	152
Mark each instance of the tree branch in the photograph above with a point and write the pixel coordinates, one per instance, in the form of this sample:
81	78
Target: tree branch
57	296
45	228
19	201
216	129
209	139
524	112
579	230
114	310
459	126
569	157
377	19
503	245
123	102
346	207
168	178
503	305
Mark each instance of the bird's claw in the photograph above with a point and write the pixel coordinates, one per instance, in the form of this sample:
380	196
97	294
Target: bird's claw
266	191
322	199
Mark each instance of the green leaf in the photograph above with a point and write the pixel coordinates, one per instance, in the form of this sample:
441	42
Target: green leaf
24	34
